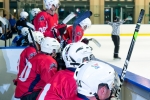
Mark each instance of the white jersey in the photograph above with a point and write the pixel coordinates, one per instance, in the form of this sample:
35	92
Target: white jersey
116	27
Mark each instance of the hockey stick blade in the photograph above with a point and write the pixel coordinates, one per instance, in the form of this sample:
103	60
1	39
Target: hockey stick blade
3	21
30	25
95	41
124	70
78	20
68	18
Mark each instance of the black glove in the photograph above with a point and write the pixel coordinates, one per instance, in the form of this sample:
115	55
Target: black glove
62	44
60	62
85	40
61	28
15	82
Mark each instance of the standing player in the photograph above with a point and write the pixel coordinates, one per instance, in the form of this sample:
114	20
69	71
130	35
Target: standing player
63	86
95	81
34	12
115	35
22	21
38	70
29	51
83	25
47	21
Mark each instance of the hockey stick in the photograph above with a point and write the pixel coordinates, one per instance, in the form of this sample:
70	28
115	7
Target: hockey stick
78	20
124	70
30	25
95	41
68	18
33	39
65	21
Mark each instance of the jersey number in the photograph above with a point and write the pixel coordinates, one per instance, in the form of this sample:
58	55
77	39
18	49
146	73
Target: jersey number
25	73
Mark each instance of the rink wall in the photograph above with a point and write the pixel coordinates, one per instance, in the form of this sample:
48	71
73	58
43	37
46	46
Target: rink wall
105	30
135	87
125	30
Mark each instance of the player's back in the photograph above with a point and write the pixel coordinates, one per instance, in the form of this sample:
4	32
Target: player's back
20	24
33	75
25	55
23	41
77	35
62	85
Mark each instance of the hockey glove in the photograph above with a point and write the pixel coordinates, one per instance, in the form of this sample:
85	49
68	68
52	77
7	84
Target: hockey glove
63	43
61	28
60	62
15	81
117	84
85	40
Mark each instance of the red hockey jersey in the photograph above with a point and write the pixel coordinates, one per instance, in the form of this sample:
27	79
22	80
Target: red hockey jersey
44	22
35	74
61	87
25	55
78	34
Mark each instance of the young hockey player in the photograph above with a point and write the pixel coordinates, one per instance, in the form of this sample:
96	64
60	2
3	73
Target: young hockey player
22	21
29	52
22	38
47	21
115	35
38	70
79	32
34	12
96	81
63	86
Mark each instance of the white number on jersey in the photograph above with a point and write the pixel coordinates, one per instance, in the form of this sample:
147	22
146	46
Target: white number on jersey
25	73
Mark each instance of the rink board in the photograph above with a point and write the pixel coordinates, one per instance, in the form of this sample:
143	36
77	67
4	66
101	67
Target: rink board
134	88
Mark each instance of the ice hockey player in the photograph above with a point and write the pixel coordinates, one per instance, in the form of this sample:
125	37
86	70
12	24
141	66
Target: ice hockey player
34	12
96	81
29	51
38	70
22	21
22	38
63	86
79	32
47	21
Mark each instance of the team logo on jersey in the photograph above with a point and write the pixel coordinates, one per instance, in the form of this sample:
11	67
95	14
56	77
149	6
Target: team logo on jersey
52	66
95	66
32	55
79	33
41	18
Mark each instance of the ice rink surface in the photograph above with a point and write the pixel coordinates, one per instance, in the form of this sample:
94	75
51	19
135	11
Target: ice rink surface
140	58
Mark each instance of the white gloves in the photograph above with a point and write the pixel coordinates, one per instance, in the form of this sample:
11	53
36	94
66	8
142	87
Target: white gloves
117	84
117	80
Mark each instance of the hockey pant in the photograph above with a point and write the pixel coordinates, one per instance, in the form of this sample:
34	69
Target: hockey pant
116	41
31	96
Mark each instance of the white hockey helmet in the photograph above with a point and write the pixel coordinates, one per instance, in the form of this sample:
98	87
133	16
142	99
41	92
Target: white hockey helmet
37	36
50	45
24	14
49	3
35	11
91	75
24	31
86	22
76	53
